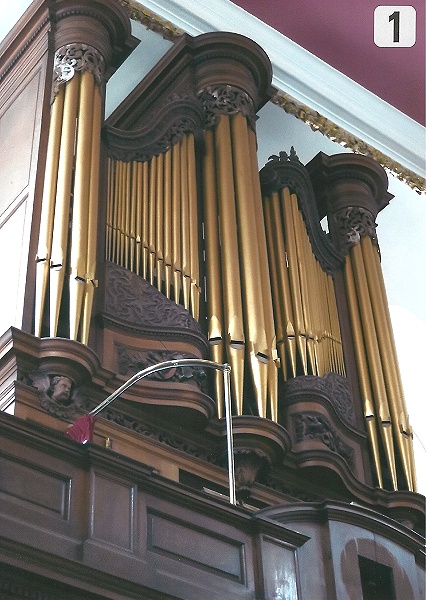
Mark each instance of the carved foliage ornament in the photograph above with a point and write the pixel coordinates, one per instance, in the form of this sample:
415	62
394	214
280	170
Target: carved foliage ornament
77	57
351	224
226	100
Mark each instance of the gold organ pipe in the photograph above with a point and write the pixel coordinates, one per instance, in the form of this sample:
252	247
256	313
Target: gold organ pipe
168	262
265	281
377	380
284	283
229	254
249	262
151	217
185	241
138	216
110	208
277	292
48	208
388	356
193	228
63	198
159	223
176	222
80	213
115	212
92	228
132	216
363	372
126	214
145	218
294	277
213	266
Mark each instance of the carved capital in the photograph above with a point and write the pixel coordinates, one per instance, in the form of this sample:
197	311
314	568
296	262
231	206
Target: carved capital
226	100
352	223
77	57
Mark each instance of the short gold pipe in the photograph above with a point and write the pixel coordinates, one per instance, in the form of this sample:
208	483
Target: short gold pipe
152	212
115	210
138	202
371	343
127	212
48	208
176	222
133	199
80	212
91	281
145	218
363	372
63	196
294	278
388	356
167	209
109	209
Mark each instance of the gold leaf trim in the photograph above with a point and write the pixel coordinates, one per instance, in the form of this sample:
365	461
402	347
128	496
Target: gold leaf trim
150	20
335	133
314	119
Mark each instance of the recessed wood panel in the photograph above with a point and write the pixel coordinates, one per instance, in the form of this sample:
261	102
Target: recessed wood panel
195	546
29	485
113	516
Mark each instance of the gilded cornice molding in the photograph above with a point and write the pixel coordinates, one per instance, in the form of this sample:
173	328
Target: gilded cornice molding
335	133
150	20
315	120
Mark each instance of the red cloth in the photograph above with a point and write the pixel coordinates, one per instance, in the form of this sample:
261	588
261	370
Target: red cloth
82	430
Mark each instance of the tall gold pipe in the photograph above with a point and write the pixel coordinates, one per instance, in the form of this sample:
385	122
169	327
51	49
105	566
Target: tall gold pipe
63	197
213	267
186	252
257	345
277	294
110	208
132	216
48	208
388	357
377	379
193	228
168	222
127	211
294	277
285	299
233	313
115	211
363	373
176	222
91	282
152	212
138	202
145	218
80	213
271	339
159	221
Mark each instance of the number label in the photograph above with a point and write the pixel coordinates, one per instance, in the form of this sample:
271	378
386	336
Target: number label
395	26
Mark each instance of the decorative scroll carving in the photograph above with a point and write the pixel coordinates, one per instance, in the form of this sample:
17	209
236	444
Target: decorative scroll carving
132	361
77	57
180	115
133	300
317	427
158	435
286	170
332	386
352	224
226	100
57	394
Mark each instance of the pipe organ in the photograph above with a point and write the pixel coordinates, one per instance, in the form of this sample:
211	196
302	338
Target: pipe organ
186	210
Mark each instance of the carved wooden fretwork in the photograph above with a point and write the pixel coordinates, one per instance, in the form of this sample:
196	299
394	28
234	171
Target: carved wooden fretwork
353	223
285	170
178	116
226	100
332	386
131	361
314	426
